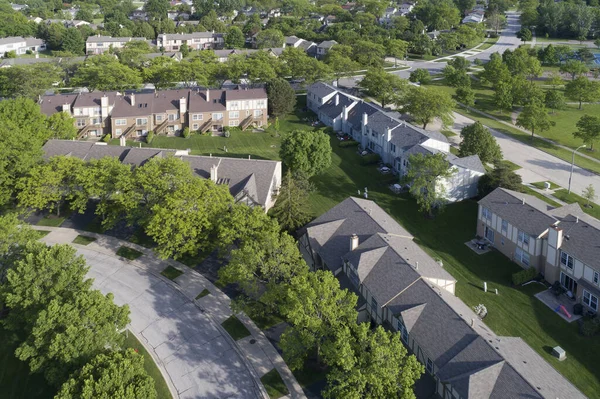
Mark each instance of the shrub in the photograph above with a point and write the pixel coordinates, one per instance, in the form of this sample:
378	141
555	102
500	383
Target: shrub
589	327
28	52
185	133
370	159
106	138
150	137
227	133
348	143
10	54
524	276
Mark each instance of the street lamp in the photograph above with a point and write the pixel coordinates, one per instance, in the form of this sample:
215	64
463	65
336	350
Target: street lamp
572	162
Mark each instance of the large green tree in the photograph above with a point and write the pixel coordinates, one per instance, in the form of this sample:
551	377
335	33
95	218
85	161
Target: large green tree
282	97
306	152
269	38
291	205
14	237
385	87
477	140
426	104
581	89
118	374
104	72
62	126
234	38
534	117
500	176
29	81
425	175
588	129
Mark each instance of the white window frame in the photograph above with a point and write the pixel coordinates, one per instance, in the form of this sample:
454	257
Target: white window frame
590	300
120	122
172	117
159	118
258	113
486	213
568	262
195	126
504	227
217	116
523	238
234	123
197	117
596	277
522	256
234	114
141	121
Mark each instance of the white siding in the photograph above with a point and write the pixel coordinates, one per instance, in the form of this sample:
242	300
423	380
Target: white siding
578	269
588	273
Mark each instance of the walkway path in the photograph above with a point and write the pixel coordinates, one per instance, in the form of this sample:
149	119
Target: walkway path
183	335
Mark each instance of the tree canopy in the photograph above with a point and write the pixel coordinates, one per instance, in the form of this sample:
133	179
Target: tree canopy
477	140
588	130
425	104
306	152
425	174
282	97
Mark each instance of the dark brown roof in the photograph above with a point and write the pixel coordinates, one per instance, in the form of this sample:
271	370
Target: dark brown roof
53	103
93	99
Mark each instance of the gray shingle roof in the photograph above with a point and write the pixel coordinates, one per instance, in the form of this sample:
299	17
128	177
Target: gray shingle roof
532	217
332	110
471	162
581	239
321	89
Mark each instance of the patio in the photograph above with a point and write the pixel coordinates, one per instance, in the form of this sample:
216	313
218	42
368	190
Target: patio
554	302
479	246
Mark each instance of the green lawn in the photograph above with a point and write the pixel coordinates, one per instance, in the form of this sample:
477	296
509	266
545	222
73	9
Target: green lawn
42	233
171	273
510	165
162	389
542	185
51	221
530	191
563	195
83	240
129	253
204	293
488	43
235	328
274	384
515	312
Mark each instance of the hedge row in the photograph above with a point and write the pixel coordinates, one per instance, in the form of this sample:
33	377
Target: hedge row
524	276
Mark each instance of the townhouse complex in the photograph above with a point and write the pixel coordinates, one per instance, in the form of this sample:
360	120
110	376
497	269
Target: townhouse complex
402	288
98	44
20	45
561	243
393	139
134	114
250	181
194	41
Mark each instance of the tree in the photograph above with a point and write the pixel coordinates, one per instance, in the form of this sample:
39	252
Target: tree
377	365
234	38
306	152
62	126
110	375
424	174
106	73
183	222
574	68
14	237
496	20
269	38
316	310
242	224
495	71
456	77
524	34
437	14
368	53
184	50
67	334
534	117
581	89
555	100
290	207
84	14
589	193
465	95
50	184
421	76
29	81
588	130
385	87
501	176
157	9
464	5
396	48
477	140
425	104
340	62
282	97
73	42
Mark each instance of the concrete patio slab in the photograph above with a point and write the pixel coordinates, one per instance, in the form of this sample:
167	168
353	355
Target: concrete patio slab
553	302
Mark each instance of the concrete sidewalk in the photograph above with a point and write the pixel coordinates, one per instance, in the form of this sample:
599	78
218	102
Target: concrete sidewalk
184	335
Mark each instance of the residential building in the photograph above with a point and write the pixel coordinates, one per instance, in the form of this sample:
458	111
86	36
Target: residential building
139	15
406	8
195	41
405	290
393	139
20	45
475	16
388	15
134	114
308	46
324	47
100	44
18	7
223	55
561	243
250	181
70	23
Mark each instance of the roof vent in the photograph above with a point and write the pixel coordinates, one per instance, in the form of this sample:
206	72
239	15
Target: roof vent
523	199
576	219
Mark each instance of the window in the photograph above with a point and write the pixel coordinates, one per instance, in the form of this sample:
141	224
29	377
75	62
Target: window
234	105
159	118
172	117
99	44
504	227
120	122
486	213
217	116
596	277
261	104
234	122
590	300
522	256
429	366
141	121
392	147
80	122
118	132
403	331
195	126
523	238
234	114
258	113
566	260
197	117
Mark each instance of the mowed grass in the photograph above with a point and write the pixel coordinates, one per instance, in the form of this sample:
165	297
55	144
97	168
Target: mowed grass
588	207
162	389
514	312
274	384
129	253
83	240
171	273
235	328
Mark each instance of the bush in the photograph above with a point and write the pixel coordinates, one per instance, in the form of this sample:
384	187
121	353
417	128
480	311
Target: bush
227	133
589	326
150	137
370	159
524	276
348	143
28	52
185	133
10	54
106	138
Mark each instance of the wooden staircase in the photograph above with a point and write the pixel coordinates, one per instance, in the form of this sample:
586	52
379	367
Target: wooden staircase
206	126
129	131
161	127
83	131
246	122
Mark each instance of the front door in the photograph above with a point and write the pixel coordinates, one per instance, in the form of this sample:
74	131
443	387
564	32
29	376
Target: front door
568	283
489	234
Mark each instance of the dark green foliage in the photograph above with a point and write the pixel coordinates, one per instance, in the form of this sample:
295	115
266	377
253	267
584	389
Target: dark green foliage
500	176
235	328
129	253
370	159
524	276
171	273
348	143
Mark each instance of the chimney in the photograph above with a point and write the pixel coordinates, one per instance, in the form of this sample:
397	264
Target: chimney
122	141
182	106
353	242
66	108
207	95
365	119
576	219
555	237
345	114
523	200
132	99
104	101
337	99
213	173
388	134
